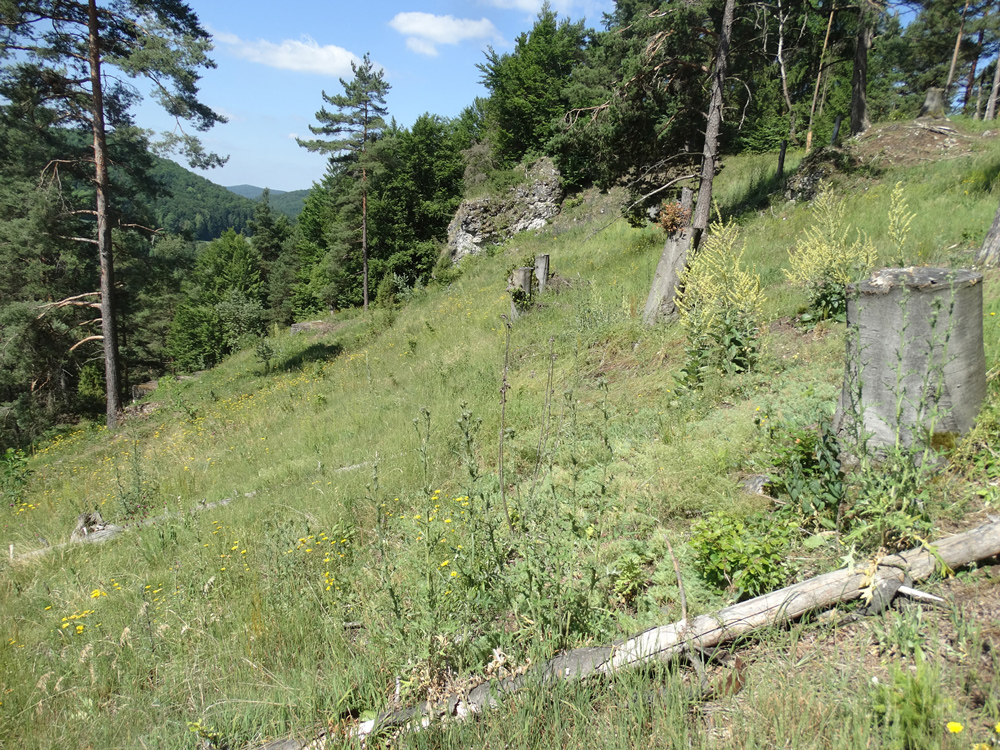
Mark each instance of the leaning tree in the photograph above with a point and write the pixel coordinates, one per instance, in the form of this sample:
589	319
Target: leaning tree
82	60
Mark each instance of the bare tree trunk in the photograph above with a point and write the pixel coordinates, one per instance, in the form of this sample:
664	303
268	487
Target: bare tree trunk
102	184
859	81
989	253
784	73
710	155
954	55
660	302
819	76
971	80
991	104
364	235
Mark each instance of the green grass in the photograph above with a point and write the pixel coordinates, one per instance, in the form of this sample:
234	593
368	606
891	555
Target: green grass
234	618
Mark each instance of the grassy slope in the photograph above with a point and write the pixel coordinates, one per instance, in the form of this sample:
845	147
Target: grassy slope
233	617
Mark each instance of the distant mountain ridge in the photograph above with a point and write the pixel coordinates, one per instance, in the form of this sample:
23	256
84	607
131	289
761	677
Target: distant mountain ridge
288	202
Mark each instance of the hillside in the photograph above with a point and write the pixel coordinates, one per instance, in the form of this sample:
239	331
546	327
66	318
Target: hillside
355	519
289	203
197	206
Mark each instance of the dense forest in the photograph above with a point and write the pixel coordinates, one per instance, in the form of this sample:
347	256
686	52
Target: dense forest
288	202
625	104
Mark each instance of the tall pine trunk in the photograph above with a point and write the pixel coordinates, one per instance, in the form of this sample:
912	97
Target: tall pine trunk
859	80
102	184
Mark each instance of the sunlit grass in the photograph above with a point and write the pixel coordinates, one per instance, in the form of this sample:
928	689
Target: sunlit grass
234	618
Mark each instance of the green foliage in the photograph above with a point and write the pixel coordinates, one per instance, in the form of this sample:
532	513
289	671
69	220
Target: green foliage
14	473
890	505
195	340
825	263
749	555
911	708
241	319
526	85
194	207
720	308
808	471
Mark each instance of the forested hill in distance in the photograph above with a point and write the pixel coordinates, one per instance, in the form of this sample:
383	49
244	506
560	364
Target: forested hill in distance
196	206
289	203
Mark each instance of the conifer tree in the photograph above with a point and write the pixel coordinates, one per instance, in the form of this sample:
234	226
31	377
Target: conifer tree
59	52
359	119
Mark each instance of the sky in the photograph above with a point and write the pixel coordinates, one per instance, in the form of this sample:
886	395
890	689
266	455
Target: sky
276	58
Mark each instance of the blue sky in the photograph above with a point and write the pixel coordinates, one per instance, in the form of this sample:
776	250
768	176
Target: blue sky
275	58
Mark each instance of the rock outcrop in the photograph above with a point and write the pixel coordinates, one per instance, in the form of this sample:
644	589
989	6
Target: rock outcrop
495	219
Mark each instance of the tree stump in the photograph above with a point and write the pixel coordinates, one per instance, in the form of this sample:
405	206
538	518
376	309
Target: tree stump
541	271
916	367
519	287
933	103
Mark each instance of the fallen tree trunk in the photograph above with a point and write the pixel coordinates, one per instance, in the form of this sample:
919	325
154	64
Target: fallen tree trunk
705	632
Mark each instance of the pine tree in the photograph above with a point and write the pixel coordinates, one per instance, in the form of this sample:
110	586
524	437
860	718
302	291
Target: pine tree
358	121
59	53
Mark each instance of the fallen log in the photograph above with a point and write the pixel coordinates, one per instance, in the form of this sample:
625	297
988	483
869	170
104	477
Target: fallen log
667	642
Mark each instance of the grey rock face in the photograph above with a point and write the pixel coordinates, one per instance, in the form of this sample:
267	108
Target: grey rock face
493	220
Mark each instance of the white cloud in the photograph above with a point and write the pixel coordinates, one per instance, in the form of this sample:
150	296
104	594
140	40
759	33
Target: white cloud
424	31
530	6
293	136
304	55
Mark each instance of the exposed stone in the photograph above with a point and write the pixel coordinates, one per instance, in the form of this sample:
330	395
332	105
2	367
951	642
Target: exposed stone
90	525
495	219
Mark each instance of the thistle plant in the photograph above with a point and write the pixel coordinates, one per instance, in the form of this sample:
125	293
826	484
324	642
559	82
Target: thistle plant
825	263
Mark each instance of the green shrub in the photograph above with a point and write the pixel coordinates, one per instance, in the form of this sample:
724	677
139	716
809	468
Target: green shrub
808	472
749	555
14	474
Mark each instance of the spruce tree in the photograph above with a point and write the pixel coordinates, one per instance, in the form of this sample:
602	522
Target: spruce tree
74	56
359	120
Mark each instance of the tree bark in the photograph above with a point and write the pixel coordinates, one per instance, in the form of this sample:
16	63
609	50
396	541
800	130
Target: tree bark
819	77
859	80
989	253
954	55
710	155
660	302
102	183
991	104
364	210
970	82
784	73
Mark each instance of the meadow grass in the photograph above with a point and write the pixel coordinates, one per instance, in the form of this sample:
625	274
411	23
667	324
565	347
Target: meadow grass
365	545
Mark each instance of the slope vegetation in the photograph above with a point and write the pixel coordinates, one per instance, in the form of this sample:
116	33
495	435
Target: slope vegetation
395	527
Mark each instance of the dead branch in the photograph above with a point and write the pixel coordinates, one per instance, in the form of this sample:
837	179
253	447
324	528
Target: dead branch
69	301
84	341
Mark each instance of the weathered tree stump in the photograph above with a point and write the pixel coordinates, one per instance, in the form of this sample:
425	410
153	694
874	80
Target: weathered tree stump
661	302
519	287
916	368
933	103
541	271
